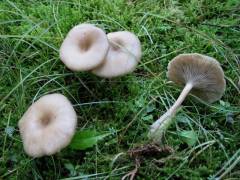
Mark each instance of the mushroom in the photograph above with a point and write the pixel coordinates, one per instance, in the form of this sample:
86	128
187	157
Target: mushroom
123	55
48	125
84	47
200	75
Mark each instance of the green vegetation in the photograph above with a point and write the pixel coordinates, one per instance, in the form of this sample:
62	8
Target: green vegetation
31	32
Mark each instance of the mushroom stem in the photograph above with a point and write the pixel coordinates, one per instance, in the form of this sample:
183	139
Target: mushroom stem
159	126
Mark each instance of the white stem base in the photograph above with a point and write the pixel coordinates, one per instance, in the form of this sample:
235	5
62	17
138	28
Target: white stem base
158	127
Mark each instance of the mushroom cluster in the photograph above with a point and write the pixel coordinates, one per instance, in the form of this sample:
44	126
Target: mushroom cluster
200	75
49	124
87	48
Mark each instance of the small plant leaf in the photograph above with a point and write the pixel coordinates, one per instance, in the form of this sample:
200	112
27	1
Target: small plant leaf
147	118
9	130
86	139
189	137
182	119
150	108
71	169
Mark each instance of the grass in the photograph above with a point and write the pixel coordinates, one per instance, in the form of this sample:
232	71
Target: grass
31	33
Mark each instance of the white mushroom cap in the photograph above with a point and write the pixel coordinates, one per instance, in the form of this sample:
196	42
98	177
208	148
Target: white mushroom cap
48	125
84	47
123	55
203	72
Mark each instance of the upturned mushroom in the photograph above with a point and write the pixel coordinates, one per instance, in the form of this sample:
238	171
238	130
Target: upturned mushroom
200	75
84	47
123	55
48	125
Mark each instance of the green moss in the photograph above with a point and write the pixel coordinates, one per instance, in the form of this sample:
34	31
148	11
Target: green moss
30	35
